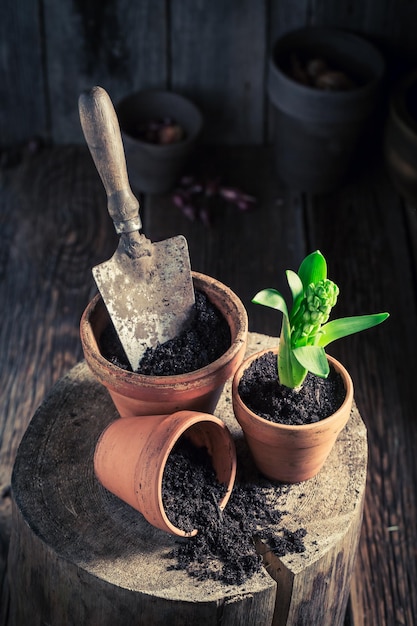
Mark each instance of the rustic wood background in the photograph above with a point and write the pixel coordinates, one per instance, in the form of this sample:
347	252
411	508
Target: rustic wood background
214	52
54	224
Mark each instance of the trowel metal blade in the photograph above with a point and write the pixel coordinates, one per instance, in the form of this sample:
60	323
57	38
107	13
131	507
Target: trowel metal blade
148	309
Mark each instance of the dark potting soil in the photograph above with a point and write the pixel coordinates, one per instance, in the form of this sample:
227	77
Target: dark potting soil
261	391
203	341
224	548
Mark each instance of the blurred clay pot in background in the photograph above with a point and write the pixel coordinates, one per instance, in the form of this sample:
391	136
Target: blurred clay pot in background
318	123
155	166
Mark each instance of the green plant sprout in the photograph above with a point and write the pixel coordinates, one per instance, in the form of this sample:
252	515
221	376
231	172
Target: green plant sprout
305	331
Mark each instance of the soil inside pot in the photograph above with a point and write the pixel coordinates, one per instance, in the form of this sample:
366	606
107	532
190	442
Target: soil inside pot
204	340
261	391
316	71
161	131
191	467
224	548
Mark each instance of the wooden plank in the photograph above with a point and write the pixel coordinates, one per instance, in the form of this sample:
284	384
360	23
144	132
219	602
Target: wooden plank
388	23
54	227
217	59
246	250
23	110
120	46
361	230
285	15
213	52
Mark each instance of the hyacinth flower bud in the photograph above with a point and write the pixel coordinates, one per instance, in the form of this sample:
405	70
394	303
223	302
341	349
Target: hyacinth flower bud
314	311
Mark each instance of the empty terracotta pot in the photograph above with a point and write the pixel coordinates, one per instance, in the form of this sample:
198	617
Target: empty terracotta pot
138	394
131	455
285	453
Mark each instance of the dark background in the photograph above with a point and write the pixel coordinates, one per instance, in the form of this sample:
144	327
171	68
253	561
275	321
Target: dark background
54	224
213	51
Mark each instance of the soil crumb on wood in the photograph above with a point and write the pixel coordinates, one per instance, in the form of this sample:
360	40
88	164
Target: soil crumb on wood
224	548
261	391
205	339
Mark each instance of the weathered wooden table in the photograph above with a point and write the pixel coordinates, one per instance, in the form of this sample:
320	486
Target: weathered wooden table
54	227
78	555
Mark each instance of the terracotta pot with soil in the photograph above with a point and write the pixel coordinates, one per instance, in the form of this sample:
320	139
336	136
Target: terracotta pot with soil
132	453
293	402
286	452
136	393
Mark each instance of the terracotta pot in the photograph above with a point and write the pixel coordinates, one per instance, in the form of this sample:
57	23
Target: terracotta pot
137	394
131	455
290	454
155	168
316	131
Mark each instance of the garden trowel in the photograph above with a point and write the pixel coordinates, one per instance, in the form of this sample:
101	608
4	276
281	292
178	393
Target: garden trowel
147	287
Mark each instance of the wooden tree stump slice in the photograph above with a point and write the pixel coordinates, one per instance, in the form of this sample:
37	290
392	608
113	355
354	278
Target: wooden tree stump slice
80	556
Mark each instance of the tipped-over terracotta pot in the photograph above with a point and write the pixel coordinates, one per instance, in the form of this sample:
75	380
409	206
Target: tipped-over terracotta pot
286	453
131	455
138	394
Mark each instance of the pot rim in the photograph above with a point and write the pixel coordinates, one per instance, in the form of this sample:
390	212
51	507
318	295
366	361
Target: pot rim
340	34
179	380
173	96
192	418
347	381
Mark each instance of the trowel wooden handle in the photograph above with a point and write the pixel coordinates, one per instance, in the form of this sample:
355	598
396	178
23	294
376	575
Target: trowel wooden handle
102	133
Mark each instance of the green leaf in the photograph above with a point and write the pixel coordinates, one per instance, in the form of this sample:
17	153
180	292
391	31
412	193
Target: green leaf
290	373
284	355
295	284
299	372
271	298
313	269
314	359
297	290
345	326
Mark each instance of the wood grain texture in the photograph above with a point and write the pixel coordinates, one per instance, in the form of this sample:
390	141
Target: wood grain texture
226	43
54	227
120	46
387	22
216	53
370	249
79	555
24	107
246	250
